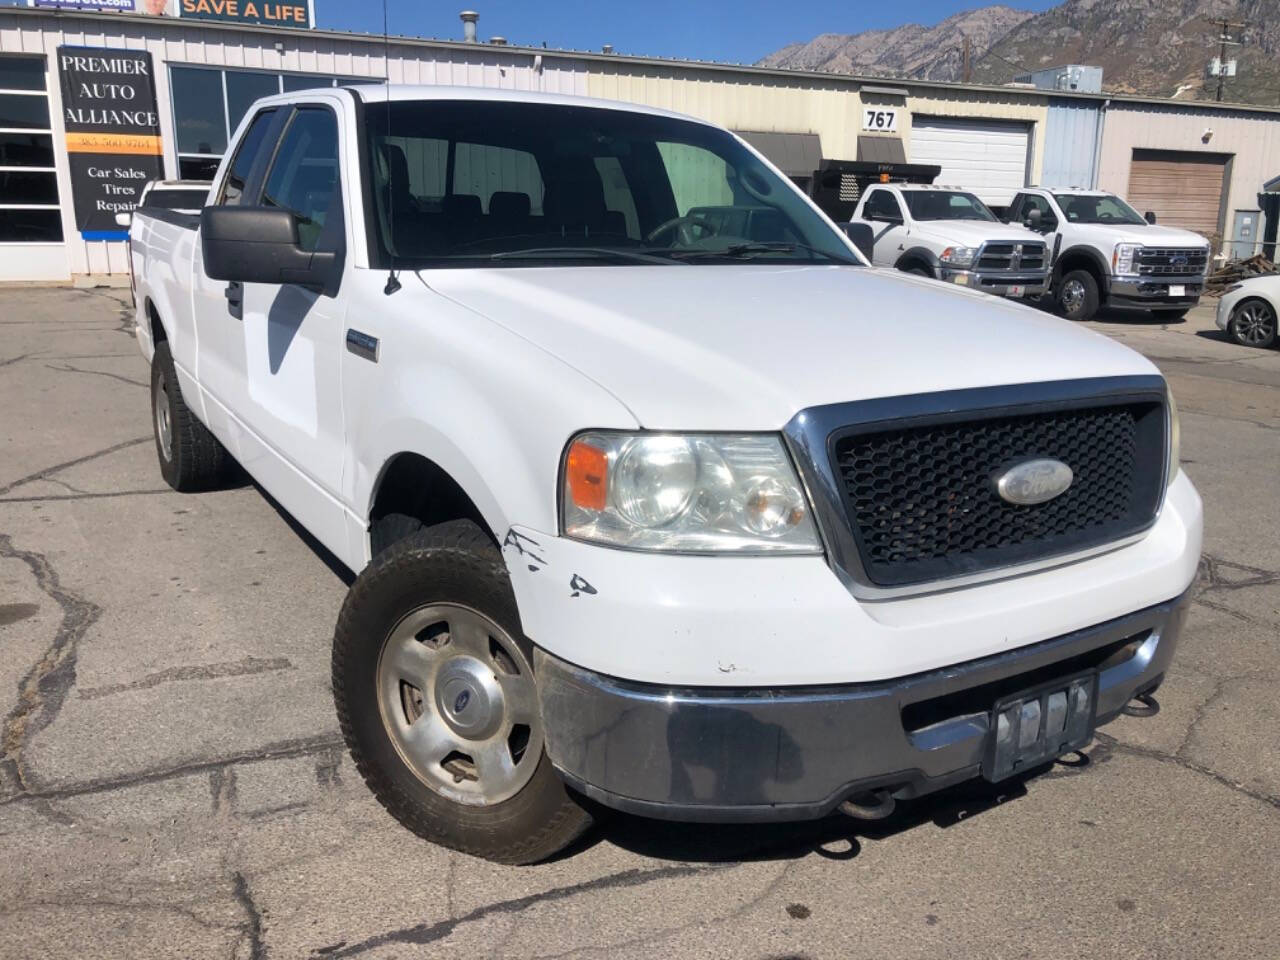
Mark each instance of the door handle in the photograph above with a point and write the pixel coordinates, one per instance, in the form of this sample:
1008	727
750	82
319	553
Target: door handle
235	299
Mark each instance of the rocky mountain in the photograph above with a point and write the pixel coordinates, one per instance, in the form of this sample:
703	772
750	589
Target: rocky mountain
929	53
1151	47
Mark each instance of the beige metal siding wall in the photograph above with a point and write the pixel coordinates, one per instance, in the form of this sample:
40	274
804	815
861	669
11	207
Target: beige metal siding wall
1029	107
1252	138
740	101
177	42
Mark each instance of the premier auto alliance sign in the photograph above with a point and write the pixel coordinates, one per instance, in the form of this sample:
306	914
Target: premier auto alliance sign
113	133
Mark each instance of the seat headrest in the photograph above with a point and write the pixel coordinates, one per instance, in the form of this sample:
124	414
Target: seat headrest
509	205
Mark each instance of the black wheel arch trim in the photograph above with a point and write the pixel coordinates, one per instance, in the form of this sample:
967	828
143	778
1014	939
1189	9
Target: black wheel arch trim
1093	256
919	253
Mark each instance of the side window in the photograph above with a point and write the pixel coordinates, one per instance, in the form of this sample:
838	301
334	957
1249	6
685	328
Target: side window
246	153
698	177
1047	219
882	204
304	175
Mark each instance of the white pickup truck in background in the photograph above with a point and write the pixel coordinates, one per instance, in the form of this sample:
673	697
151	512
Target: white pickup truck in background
655	491
1104	253
949	234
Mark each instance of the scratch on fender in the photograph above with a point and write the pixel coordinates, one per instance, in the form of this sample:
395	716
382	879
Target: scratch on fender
580	586
523	546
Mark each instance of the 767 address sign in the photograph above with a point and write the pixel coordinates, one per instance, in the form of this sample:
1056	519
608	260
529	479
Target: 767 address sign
879	120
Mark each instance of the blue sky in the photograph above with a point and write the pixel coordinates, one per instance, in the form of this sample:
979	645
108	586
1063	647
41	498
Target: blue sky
733	30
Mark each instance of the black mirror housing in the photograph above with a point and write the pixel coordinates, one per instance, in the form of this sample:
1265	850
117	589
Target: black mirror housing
260	245
862	235
1150	217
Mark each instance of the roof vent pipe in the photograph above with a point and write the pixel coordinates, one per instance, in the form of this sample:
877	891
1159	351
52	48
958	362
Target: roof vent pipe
498	41
607	48
469	18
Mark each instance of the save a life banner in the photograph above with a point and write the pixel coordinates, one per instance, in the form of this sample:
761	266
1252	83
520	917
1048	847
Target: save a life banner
113	133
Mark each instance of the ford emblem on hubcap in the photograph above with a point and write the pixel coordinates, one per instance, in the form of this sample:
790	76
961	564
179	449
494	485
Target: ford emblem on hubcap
1034	481
461	702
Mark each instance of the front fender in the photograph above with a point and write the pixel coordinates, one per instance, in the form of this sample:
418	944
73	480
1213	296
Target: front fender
919	253
489	408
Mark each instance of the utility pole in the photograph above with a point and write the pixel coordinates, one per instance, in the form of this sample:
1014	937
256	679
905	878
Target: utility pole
966	60
1224	40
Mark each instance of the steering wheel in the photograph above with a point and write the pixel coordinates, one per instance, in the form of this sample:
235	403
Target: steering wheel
684	227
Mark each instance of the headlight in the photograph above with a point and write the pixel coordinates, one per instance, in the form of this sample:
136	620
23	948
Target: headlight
1122	260
959	256
1175	438
685	493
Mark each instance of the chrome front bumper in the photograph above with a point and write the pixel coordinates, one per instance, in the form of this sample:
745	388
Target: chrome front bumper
1154	291
1000	284
752	754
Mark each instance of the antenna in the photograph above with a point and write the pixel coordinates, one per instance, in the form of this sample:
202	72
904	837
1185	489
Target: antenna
393	281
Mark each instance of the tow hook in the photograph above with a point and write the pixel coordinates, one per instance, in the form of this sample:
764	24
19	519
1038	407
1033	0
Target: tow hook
871	805
1143	705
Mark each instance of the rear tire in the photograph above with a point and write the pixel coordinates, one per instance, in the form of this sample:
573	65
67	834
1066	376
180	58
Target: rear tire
191	458
1077	295
1253	323
431	669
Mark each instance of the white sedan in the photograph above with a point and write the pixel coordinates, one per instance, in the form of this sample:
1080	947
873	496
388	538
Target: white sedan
1247	311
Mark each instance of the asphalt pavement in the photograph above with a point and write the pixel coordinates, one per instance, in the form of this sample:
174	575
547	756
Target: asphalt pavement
173	785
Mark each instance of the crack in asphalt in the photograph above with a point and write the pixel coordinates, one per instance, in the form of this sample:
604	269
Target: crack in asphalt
44	689
19	357
106	494
281	750
252	926
67	464
67	368
424	933
1164	757
209	671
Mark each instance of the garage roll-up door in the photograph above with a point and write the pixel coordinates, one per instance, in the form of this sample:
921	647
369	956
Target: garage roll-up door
987	156
1181	189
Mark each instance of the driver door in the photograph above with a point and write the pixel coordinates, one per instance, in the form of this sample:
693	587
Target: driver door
888	226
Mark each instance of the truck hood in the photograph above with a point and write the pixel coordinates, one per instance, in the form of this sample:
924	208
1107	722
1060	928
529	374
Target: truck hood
1149	235
972	233
744	347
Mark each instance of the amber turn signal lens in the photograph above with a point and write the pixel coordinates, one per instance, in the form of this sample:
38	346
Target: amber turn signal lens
586	470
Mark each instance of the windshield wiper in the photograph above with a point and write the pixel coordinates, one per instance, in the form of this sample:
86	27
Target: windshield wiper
751	248
587	253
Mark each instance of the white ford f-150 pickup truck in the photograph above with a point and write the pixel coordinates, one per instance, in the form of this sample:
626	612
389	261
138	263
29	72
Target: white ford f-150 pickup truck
951	235
657	494
1103	252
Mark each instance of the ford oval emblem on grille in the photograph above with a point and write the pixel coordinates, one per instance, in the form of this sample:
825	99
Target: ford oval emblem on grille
1034	481
1179	261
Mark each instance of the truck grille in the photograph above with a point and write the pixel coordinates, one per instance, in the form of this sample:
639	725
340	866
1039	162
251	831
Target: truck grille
1176	261
922	504
1011	257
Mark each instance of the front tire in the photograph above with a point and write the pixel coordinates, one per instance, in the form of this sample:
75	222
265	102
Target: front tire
433	683
191	458
1253	323
1077	295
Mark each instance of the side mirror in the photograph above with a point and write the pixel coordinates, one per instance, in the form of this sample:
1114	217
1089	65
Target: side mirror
1035	219
862	236
124	219
1150	217
260	245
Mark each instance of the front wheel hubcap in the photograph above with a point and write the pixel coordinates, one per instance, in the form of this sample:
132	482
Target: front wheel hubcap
1255	323
457	700
1072	295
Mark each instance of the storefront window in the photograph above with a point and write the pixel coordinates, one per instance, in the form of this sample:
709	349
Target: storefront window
29	211
209	104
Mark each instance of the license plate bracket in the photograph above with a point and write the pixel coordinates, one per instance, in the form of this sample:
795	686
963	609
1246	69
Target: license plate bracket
1042	723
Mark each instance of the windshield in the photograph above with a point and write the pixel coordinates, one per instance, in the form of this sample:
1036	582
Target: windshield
1086	208
169	198
460	183
946	205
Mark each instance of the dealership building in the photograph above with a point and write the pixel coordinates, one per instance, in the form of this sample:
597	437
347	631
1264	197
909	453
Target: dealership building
93	103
